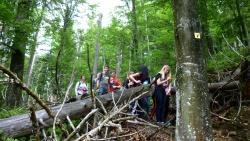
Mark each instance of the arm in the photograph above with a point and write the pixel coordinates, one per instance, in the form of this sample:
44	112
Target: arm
118	84
159	82
132	77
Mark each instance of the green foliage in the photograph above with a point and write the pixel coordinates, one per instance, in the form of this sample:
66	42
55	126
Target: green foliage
226	59
6	112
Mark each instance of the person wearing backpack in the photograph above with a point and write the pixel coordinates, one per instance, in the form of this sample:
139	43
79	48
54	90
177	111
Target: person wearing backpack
102	81
81	88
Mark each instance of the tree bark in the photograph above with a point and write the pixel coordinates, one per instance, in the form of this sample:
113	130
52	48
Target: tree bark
18	53
119	59
21	125
135	45
245	78
33	50
97	47
193	115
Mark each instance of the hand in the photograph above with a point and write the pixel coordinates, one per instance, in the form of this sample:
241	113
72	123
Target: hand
169	79
138	81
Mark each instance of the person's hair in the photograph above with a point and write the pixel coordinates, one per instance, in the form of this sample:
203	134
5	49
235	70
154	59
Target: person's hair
106	66
144	72
163	74
82	76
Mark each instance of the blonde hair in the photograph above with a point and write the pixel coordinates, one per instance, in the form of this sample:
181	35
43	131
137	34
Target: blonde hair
163	74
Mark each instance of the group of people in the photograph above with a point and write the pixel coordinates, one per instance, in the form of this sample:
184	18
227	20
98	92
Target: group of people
106	83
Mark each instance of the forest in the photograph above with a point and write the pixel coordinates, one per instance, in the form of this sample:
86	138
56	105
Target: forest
196	52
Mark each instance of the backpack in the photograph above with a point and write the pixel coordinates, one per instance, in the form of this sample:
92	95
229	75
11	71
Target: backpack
101	77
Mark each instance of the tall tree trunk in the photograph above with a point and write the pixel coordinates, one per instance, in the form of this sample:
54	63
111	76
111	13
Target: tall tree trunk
97	47
135	60
66	22
33	50
18	53
119	59
34	45
205	26
193	114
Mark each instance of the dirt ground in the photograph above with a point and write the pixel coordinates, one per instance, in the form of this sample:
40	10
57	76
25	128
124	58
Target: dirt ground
238	130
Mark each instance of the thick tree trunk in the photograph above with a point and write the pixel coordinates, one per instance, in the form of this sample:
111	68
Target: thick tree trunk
18	53
97	47
17	126
245	78
193	115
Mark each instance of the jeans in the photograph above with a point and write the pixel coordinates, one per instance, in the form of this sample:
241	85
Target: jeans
103	90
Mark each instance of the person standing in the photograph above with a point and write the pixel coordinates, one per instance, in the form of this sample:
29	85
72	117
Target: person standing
81	88
114	83
102	81
162	80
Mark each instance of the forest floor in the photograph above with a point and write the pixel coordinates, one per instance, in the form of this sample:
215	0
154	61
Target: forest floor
238	130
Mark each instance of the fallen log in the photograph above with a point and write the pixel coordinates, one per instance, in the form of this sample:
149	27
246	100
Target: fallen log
21	125
223	86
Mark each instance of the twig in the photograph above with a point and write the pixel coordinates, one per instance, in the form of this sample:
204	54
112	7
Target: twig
81	123
25	88
103	108
96	129
122	136
123	119
232	47
111	124
72	125
64	100
142	123
227	119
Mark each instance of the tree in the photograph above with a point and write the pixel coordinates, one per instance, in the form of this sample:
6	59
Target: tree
193	114
97	47
19	48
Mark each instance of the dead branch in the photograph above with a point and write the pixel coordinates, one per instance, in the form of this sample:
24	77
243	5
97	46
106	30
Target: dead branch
102	106
221	117
25	88
98	128
65	98
72	125
117	137
80	124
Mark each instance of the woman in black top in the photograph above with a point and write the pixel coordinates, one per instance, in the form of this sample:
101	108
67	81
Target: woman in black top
139	78
162	100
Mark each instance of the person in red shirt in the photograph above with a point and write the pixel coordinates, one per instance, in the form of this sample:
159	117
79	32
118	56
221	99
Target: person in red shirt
114	83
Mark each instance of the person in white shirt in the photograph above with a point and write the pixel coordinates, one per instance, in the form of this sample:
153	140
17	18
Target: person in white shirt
81	88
